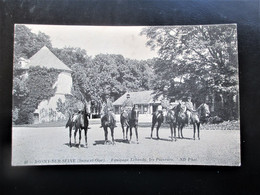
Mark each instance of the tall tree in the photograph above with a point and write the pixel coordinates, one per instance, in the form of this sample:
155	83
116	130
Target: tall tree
71	55
27	43
39	85
202	58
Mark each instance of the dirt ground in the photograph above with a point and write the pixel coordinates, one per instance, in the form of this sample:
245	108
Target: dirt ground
49	146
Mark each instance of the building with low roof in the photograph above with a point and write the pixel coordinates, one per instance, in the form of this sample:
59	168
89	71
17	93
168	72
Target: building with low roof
47	109
146	101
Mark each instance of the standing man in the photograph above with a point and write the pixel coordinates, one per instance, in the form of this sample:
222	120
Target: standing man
107	107
190	108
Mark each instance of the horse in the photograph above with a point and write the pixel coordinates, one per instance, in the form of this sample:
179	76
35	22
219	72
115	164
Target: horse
130	120
70	124
108	122
81	123
171	119
196	117
157	118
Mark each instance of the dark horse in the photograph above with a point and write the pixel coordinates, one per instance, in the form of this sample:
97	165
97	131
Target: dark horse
196	118
108	122
81	123
171	119
157	118
130	120
70	124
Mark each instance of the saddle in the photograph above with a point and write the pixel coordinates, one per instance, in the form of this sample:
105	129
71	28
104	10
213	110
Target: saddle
127	112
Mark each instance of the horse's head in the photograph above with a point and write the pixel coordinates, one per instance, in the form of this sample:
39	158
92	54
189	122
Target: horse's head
204	110
135	113
170	115
181	108
69	121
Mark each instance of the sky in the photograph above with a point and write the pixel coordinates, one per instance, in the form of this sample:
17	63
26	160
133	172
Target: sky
125	40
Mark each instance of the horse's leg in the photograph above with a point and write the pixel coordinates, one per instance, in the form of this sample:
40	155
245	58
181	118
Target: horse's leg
198	127
194	130
70	129
75	135
86	137
157	130
153	123
126	132
79	137
112	135
171	128
174	126
179	127
130	134
136	133
105	131
182	125
123	130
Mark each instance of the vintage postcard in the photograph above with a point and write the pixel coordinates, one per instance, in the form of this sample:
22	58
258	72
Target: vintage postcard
166	95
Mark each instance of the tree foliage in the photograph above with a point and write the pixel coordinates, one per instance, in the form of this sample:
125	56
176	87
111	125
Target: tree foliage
112	74
71	55
39	84
26	43
196	60
92	77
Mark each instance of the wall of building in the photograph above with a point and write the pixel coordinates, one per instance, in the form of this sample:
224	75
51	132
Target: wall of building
47	109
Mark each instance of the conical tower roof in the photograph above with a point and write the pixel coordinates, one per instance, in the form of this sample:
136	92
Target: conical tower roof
45	58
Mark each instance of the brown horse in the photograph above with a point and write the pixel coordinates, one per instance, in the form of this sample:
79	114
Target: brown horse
171	119
201	113
130	120
81	123
70	124
108	122
157	118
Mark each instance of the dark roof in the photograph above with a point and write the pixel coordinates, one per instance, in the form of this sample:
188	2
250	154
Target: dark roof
140	97
45	58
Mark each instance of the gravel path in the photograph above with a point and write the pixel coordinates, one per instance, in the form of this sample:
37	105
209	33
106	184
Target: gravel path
49	146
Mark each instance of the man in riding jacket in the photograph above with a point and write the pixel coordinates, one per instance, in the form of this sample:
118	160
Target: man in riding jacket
127	104
190	108
165	103
107	107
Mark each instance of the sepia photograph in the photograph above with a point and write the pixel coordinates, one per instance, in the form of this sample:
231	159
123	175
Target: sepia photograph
106	95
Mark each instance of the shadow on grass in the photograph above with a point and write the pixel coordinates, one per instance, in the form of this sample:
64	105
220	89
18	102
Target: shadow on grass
160	139
122	141
75	145
103	142
187	138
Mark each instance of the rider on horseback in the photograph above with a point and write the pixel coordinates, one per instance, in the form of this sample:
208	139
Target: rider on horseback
127	104
190	108
165	103
107	107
